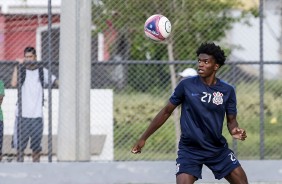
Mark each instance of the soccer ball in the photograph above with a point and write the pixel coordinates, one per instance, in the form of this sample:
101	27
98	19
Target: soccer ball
157	27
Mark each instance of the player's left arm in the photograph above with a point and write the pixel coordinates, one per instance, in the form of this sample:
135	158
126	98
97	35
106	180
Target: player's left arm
233	127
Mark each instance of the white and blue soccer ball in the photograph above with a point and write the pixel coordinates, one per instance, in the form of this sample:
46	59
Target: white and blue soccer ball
157	27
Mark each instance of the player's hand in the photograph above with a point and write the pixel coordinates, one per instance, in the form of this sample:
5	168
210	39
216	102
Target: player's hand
138	146
239	133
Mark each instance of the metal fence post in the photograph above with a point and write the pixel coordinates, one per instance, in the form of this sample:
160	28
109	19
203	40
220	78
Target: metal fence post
261	80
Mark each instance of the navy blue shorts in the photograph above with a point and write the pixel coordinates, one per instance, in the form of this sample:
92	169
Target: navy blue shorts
28	128
221	164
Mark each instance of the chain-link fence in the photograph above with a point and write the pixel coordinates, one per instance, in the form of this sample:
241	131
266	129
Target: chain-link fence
146	88
132	77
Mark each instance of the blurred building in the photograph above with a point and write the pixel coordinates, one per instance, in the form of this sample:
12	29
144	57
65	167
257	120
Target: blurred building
25	23
244	39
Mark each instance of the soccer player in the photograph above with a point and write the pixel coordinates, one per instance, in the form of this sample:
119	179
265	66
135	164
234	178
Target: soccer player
204	100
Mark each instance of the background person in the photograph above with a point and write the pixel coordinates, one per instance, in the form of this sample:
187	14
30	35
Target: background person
188	72
33	78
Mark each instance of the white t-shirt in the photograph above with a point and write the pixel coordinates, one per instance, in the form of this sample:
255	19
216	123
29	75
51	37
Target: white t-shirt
32	93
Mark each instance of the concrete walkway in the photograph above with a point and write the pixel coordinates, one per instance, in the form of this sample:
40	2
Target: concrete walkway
139	172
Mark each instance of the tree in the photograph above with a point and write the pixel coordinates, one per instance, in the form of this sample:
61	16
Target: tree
193	22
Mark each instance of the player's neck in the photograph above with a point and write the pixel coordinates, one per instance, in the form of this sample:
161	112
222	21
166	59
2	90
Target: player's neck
211	80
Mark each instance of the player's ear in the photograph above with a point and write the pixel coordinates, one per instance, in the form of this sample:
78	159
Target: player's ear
216	67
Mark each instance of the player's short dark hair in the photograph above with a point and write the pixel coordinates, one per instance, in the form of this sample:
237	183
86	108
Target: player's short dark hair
213	50
30	49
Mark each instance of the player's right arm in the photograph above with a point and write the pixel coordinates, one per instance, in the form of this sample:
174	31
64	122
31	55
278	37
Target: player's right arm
234	130
157	122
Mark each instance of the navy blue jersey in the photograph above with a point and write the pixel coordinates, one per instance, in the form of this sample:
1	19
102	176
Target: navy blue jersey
203	109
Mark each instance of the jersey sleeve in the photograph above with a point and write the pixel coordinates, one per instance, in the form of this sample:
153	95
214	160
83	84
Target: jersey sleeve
231	105
178	95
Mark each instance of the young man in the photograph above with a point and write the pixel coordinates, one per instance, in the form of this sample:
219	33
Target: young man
30	124
204	101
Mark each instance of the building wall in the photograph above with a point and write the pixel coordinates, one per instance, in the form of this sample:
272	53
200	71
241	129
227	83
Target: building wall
19	31
2	35
245	40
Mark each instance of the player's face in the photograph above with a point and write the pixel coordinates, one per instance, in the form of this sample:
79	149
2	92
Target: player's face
206	65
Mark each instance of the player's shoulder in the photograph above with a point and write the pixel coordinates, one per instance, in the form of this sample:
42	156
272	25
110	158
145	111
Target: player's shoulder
226	84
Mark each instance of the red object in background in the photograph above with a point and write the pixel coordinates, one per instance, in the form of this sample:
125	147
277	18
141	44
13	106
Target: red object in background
18	31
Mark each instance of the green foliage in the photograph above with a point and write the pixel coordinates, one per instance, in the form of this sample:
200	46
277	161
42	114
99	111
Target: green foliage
132	118
142	77
277	92
193	22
